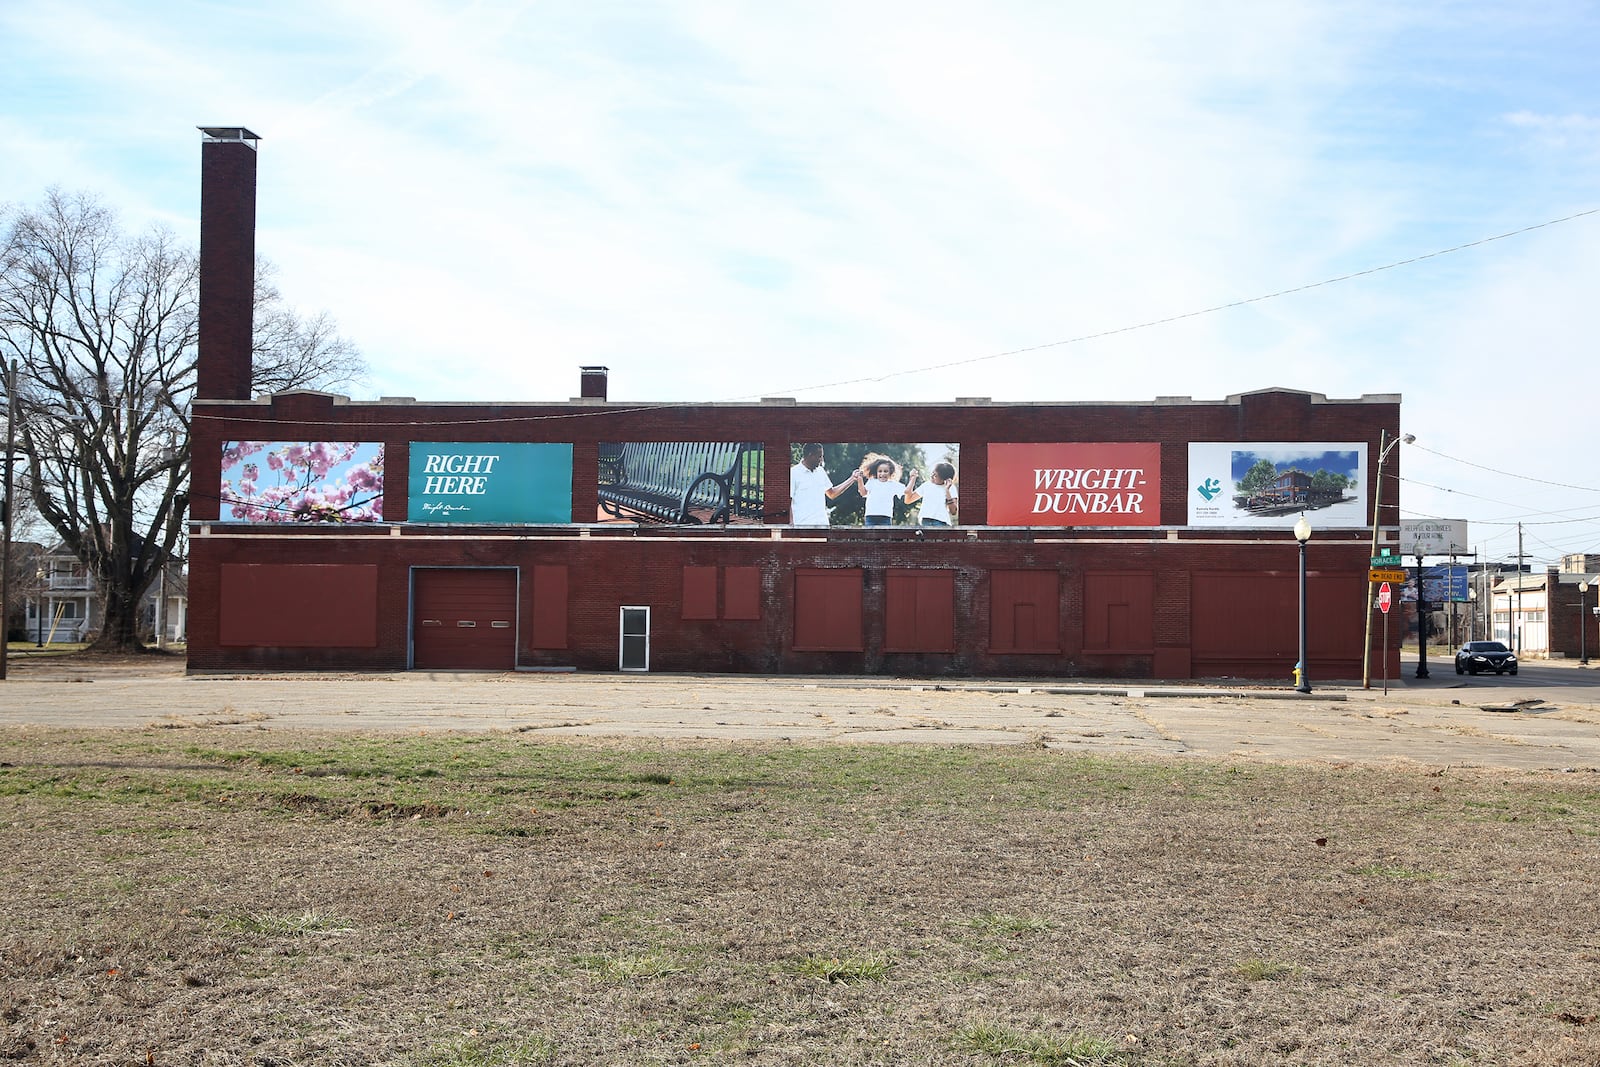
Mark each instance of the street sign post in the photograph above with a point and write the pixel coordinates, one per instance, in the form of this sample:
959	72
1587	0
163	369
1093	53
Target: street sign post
1384	600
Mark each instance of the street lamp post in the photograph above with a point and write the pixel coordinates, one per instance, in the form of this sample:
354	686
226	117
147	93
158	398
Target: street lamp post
1385	446
1302	534
1422	622
1583	624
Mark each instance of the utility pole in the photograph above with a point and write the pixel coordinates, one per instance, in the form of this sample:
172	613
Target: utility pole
1422	619
1516	614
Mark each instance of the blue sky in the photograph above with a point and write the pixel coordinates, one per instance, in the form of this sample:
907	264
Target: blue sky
840	201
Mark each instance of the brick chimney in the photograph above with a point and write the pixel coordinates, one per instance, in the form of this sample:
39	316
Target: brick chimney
227	262
592	384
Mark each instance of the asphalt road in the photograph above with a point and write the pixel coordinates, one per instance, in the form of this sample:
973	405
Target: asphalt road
1546	718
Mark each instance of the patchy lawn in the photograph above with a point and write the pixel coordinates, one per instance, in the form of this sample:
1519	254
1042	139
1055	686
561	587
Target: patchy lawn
238	896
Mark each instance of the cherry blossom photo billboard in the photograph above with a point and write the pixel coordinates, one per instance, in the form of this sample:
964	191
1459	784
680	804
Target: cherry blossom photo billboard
302	481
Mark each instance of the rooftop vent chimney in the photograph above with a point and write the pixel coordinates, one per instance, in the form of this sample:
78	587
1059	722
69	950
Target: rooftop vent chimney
227	262
593	383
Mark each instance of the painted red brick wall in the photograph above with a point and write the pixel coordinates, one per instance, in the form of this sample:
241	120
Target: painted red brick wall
608	567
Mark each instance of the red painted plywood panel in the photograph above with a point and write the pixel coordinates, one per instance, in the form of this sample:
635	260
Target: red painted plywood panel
920	611
827	610
741	592
549	625
298	605
699	592
1119	611
1024	611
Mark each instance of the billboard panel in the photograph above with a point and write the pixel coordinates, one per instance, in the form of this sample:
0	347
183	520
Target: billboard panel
1433	537
1255	484
681	482
499	483
1440	585
1075	484
874	484
301	481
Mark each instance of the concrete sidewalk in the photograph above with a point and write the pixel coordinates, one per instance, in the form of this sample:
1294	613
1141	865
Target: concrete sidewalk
1436	723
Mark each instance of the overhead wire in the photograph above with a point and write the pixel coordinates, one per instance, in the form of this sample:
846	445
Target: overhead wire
926	368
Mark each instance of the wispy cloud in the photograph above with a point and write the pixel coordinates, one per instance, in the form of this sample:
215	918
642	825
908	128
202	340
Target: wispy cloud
726	201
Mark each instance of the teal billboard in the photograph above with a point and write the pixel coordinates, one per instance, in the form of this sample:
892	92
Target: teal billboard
466	482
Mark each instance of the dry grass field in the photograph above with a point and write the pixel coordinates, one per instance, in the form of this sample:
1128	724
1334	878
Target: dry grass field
238	896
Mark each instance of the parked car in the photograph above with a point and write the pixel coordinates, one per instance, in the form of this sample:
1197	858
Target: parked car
1475	656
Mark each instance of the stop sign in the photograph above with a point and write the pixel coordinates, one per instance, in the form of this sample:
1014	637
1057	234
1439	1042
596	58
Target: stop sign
1383	598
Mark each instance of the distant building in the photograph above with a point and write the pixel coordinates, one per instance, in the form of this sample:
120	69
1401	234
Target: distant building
1549	613
62	602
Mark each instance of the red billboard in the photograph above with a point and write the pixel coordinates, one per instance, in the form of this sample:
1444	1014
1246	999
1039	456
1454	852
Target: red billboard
1075	484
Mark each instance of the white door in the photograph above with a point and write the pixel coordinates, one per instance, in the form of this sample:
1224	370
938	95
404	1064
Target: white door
634	653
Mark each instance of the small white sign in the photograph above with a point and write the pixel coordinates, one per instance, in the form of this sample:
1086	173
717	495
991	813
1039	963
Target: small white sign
1433	537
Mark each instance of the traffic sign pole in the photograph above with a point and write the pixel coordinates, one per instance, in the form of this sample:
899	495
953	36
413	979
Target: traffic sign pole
1385	651
1385	598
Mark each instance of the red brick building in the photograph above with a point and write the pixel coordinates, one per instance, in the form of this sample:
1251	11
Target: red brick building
1092	539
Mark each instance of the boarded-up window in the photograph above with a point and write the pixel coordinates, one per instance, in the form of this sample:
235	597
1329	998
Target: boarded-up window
299	605
699	592
1243	622
920	611
741	592
549	629
1024	611
1245	615
1119	611
827	610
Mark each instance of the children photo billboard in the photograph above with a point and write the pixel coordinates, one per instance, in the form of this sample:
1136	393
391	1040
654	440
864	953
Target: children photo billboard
301	481
867	484
493	483
1075	484
1271	484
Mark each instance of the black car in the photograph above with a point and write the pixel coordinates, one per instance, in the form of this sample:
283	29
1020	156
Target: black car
1476	656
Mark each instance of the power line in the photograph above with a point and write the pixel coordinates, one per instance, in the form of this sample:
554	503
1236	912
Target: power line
1205	311
1167	320
1505	474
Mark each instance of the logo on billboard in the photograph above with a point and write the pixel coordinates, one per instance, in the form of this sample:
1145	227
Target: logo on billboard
1075	484
1209	488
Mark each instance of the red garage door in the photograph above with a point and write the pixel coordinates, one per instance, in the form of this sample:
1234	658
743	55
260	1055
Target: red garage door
464	619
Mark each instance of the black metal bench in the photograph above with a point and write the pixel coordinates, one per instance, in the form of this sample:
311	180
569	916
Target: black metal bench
682	482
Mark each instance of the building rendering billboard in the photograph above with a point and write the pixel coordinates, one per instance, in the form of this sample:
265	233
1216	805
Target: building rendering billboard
1271	484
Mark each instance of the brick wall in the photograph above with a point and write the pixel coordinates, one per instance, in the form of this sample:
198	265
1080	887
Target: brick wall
609	567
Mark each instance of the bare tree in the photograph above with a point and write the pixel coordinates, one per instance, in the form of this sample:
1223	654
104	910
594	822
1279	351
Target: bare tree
291	352
101	329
